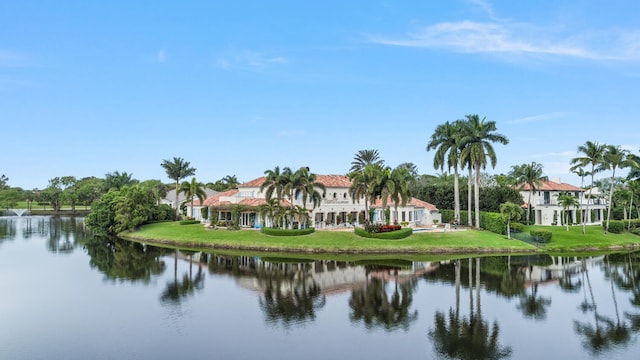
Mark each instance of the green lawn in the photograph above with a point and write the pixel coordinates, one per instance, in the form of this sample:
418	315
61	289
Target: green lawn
469	241
594	238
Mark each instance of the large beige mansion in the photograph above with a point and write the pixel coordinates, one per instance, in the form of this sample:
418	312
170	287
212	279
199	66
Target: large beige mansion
336	209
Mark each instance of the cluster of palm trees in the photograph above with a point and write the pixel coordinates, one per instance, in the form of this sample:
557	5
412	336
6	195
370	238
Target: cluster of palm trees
466	143
601	157
372	180
288	184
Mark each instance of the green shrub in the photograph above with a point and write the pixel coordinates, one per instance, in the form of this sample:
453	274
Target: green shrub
635	223
204	213
286	232
449	215
391	235
636	231
516	226
615	226
189	222
493	222
541	235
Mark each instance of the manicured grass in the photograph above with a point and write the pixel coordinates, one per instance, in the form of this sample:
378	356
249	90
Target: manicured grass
197	236
594	239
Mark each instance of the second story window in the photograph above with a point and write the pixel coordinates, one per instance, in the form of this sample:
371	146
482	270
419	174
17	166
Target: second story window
547	198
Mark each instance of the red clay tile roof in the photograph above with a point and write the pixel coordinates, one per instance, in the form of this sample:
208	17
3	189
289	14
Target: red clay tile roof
215	200
254	183
334	180
326	180
551	186
412	202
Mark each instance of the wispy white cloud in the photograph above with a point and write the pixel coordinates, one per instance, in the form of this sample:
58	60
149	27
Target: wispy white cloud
504	37
249	60
541	117
10	58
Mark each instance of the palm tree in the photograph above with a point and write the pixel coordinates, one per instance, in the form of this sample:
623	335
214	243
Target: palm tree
117	180
567	201
579	170
362	185
275	183
364	157
510	211
446	140
592	154
477	142
634	189
309	188
230	182
177	170
528	174
192	190
401	194
615	157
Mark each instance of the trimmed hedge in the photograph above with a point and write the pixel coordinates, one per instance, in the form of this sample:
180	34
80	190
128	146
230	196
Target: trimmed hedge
448	216
493	222
541	235
636	231
516	226
390	235
287	232
615	226
189	222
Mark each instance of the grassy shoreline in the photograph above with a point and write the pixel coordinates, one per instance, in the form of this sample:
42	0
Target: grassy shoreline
470	241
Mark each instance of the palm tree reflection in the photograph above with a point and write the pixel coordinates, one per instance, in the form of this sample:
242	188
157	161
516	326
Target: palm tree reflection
178	290
467	338
372	305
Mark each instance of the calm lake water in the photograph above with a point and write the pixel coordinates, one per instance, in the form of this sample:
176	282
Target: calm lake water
67	295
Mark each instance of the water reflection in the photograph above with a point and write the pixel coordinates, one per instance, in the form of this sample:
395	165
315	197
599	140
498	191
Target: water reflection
185	287
372	304
466	308
124	260
471	337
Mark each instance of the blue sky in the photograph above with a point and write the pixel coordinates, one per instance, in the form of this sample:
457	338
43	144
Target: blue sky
238	87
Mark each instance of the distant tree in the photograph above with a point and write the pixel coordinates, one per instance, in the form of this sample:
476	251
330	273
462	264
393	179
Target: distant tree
364	157
3	182
70	192
592	154
9	197
156	187
89	190
117	180
177	169
230	182
53	193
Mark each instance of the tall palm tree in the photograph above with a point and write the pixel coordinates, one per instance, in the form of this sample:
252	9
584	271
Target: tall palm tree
230	182
479	135
178	169
530	175
364	157
615	158
446	141
193	189
592	154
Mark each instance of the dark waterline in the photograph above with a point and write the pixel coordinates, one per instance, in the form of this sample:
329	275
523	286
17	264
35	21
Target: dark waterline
68	295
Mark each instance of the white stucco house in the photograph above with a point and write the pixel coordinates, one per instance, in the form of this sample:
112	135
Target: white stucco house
545	209
336	209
